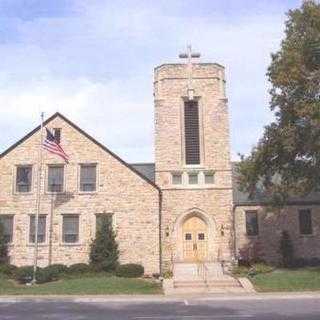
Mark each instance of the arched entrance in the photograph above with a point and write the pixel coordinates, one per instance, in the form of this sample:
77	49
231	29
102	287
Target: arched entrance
195	239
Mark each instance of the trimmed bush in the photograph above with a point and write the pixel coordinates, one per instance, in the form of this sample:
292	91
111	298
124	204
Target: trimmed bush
24	274
79	268
262	268
56	270
130	270
240	270
45	275
8	269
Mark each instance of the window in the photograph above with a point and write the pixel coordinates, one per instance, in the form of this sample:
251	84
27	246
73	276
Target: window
305	221
176	178
201	236
88	173
57	134
23	179
70	228
208	177
41	229
55	178
7	224
252	223
188	236
192	135
193	178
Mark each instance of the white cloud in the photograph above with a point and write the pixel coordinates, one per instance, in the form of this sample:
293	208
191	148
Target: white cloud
95	67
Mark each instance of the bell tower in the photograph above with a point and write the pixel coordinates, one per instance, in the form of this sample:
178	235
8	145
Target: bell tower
192	157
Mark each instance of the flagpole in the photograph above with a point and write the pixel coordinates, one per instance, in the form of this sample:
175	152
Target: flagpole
38	202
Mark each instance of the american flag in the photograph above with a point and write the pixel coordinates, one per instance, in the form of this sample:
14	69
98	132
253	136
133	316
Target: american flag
51	144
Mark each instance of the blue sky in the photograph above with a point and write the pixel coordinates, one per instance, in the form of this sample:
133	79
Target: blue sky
93	61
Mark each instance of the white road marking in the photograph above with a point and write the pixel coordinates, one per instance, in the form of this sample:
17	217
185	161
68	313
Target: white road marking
173	317
186	302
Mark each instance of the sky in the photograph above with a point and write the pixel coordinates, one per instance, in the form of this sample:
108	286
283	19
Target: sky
93	61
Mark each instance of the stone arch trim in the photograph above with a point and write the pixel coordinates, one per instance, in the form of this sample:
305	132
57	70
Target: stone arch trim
177	232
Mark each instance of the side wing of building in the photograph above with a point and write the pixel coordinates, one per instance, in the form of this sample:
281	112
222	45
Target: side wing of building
258	226
73	195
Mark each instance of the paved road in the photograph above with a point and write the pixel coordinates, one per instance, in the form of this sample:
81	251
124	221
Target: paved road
178	309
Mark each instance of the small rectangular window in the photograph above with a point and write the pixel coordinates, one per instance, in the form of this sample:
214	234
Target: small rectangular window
70	228
188	236
88	177
208	178
201	236
57	135
23	178
55	178
193	178
252	226
7	224
176	178
305	221
41	229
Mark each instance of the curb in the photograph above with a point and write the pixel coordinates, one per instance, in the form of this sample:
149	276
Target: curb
162	298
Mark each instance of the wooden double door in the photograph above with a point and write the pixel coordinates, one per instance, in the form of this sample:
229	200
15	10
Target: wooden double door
195	239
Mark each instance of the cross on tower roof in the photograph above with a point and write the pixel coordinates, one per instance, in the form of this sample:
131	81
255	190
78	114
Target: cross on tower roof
189	55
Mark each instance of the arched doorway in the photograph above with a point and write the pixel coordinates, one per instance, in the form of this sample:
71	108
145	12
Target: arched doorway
195	239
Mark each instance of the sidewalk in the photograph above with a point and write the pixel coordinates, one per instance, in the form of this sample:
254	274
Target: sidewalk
162	298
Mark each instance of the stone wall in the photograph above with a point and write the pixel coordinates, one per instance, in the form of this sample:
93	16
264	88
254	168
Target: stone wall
133	202
212	203
271	224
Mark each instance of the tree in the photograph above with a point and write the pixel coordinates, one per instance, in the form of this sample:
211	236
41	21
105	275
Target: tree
286	160
3	246
286	250
104	252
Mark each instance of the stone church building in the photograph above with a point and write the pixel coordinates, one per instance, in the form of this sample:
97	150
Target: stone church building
182	210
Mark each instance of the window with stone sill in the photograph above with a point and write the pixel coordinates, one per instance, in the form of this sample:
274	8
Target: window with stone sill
23	178
6	222
41	229
305	222
88	177
208	177
252	226
193	178
177	178
55	178
70	228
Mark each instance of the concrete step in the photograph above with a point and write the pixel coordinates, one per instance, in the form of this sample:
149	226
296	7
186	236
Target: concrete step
196	271
216	283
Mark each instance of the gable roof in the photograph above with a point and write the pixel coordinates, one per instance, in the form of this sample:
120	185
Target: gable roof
57	114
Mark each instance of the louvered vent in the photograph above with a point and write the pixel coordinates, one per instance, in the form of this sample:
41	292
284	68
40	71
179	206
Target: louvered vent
192	138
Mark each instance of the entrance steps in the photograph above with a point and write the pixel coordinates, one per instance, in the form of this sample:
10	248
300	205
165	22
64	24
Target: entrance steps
207	277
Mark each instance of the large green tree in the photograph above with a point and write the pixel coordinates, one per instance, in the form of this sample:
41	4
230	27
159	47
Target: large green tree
286	160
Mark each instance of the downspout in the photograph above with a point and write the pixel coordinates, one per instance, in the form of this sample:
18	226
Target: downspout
160	232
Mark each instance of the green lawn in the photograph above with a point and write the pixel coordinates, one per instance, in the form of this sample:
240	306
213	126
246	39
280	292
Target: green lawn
306	279
85	286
